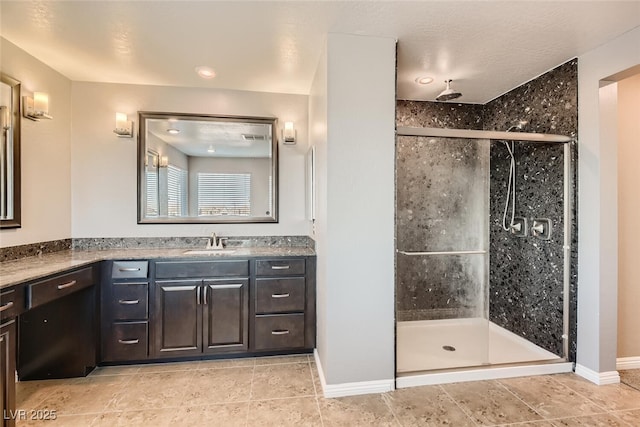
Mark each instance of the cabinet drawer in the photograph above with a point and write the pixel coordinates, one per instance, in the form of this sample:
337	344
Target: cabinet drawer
129	269
280	295
280	267
126	341
279	332
59	286
130	301
11	302
183	269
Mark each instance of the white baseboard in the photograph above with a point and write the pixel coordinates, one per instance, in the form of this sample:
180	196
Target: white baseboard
623	363
599	378
351	389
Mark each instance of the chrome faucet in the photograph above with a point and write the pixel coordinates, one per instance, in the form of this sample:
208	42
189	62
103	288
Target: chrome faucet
215	242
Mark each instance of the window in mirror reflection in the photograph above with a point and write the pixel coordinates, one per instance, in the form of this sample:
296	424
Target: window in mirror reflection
207	168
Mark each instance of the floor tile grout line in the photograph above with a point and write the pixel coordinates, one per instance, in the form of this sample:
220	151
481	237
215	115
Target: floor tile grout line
386	397
253	376
458	405
315	391
521	400
578	393
556	419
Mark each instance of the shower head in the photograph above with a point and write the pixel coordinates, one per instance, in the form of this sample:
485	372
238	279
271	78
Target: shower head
448	94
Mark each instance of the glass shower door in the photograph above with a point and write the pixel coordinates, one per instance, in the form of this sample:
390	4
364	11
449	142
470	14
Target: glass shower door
442	217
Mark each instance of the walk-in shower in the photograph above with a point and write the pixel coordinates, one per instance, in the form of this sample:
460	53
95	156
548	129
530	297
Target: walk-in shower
464	306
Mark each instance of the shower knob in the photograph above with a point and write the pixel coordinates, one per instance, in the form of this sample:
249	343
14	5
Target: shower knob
541	228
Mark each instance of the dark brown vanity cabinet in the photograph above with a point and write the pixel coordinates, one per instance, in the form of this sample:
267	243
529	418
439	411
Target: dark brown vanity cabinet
125	311
283	311
8	374
12	303
200	308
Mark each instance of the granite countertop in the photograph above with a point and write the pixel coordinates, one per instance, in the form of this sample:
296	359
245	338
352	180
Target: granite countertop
31	268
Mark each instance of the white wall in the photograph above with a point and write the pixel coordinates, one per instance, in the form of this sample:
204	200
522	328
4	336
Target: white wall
104	166
628	225
356	210
45	152
318	138
597	217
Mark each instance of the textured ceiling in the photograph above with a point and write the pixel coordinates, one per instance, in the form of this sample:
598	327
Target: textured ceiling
486	47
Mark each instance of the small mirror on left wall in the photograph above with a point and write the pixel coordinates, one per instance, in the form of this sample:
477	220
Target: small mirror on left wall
9	152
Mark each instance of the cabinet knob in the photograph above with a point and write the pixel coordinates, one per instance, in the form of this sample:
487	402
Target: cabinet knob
280	332
279	267
128	301
136	341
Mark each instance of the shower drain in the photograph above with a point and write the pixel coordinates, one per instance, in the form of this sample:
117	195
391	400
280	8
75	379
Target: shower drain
448	348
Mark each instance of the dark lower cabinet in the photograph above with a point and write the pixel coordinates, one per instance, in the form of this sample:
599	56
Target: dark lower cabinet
196	317
125	311
225	316
8	374
177	324
58	339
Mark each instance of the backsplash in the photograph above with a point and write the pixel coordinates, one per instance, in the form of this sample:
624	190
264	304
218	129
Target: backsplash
34	249
105	243
190	242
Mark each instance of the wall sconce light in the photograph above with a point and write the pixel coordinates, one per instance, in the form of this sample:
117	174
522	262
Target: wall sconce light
288	134
124	127
36	107
164	161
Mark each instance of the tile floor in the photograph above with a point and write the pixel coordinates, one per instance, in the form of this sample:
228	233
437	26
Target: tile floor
282	391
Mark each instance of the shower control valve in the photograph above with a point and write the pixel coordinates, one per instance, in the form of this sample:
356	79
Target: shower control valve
518	227
541	228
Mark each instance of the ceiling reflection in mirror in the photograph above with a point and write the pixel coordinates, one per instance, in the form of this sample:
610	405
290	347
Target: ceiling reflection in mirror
206	169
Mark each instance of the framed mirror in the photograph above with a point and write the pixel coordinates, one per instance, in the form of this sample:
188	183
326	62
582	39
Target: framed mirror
195	168
9	152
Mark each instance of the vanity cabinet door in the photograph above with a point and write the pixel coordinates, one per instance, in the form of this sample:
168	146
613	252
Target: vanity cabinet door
177	325
225	315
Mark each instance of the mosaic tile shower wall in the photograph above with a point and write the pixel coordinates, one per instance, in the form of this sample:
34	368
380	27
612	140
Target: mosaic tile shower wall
526	274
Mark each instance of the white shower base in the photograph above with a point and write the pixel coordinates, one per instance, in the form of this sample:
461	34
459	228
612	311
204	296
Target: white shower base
479	345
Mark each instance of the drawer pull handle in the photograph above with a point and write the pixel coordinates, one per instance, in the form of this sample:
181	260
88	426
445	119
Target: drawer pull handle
129	269
6	306
5	324
280	295
136	341
128	301
67	285
279	267
281	332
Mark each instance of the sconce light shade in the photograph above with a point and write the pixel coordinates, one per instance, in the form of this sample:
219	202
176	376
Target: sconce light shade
36	107
124	127
288	134
164	161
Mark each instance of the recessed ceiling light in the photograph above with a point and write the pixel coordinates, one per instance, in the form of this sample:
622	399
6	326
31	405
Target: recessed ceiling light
173	131
424	80
211	149
205	72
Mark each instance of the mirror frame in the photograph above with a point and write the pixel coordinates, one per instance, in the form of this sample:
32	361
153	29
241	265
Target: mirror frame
14	222
142	154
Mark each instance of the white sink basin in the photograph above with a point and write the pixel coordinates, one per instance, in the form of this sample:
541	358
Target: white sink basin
209	251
